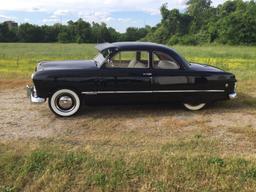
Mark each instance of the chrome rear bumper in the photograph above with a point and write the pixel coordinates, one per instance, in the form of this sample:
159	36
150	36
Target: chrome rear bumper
31	93
232	96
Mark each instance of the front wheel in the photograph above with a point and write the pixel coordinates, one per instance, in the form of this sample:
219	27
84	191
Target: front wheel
64	103
194	107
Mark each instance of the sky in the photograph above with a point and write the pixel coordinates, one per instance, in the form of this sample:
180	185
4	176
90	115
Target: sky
118	14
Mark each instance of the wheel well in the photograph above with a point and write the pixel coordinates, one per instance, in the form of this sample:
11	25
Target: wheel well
52	91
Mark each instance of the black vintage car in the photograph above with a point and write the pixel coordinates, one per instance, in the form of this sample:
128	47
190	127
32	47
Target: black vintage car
129	71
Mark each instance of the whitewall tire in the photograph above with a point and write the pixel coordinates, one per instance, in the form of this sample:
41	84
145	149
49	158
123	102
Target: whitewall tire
64	103
194	107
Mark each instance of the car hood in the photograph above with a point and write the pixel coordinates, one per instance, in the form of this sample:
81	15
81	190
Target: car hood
203	67
66	65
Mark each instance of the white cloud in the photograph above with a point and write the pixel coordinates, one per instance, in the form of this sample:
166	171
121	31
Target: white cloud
51	20
6	18
97	16
99	5
3	17
90	10
57	16
35	9
105	17
152	11
26	20
60	13
62	7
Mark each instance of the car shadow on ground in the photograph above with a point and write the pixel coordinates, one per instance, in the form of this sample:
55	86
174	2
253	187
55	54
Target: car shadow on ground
244	102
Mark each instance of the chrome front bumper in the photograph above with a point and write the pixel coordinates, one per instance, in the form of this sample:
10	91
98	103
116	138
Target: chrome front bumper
232	96
31	93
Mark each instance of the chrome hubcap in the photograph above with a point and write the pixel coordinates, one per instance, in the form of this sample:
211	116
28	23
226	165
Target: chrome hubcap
65	102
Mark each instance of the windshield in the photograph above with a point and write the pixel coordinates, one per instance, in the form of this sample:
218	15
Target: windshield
99	59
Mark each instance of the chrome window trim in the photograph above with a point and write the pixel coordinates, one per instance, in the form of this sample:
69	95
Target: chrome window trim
155	91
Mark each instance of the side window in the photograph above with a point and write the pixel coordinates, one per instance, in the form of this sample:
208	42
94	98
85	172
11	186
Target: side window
129	59
164	61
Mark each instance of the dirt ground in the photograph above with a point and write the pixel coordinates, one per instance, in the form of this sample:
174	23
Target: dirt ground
231	123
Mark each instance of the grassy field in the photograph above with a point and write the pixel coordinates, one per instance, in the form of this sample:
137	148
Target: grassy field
134	148
20	59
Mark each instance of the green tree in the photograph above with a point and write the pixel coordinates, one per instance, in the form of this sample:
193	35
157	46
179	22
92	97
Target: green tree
237	24
100	33
50	33
64	37
134	34
82	31
173	23
201	11
6	34
30	33
114	35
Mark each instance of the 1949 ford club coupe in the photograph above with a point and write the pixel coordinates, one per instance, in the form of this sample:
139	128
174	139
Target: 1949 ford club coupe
126	71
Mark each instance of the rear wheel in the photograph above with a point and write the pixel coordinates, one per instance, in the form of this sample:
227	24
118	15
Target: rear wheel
194	107
64	103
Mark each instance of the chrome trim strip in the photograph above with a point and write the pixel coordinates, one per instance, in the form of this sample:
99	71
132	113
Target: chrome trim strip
188	91
156	91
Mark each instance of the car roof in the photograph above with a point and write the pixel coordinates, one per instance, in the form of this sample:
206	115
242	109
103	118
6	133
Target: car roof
130	45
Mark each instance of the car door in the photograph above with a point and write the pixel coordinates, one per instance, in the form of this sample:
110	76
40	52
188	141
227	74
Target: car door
170	80
126	72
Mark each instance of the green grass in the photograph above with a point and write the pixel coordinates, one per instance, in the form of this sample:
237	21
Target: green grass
219	51
240	60
19	59
62	169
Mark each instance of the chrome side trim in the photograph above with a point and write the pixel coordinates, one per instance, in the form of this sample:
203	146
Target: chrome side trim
232	96
31	93
156	91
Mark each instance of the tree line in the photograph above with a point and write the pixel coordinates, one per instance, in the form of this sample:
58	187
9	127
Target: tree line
79	31
233	22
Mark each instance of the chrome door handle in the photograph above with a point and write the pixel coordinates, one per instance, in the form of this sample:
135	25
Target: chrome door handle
147	74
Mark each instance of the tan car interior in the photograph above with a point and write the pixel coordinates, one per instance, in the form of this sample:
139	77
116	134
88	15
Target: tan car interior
140	59
164	61
128	60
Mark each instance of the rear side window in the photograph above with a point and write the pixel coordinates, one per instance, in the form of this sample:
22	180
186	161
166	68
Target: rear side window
164	61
